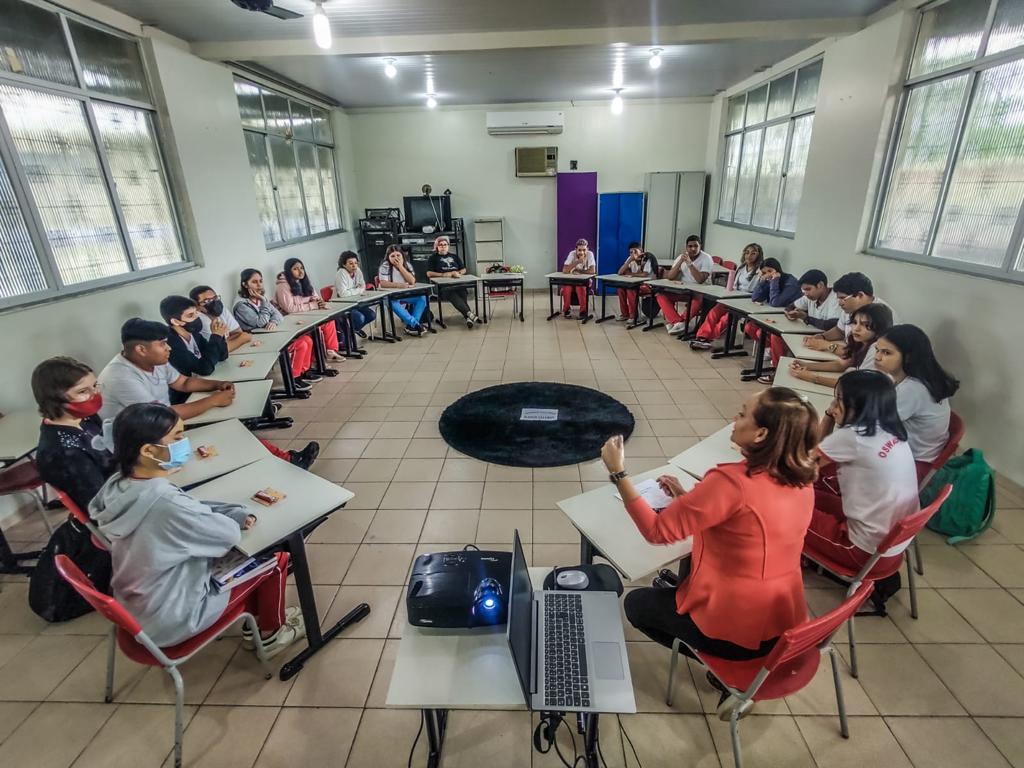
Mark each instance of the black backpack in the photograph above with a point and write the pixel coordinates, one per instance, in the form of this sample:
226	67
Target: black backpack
52	598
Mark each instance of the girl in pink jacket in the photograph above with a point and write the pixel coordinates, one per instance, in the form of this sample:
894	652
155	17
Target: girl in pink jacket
295	293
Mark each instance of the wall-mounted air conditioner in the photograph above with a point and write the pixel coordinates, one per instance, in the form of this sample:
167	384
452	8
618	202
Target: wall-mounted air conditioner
524	123
536	161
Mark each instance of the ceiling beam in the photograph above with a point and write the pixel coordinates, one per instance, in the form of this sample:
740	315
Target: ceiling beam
544	38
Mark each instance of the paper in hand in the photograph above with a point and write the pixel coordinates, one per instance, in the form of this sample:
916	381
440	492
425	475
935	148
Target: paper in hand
651	492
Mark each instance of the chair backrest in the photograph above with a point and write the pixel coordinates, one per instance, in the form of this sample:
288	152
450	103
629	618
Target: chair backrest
327	292
956	434
906	529
82	517
729	265
105	605
813	634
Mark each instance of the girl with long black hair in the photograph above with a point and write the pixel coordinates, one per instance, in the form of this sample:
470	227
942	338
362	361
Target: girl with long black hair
295	293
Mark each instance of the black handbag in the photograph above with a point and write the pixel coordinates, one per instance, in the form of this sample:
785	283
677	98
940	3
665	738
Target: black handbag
54	599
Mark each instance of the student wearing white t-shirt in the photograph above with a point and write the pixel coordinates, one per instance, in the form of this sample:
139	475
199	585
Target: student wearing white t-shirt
923	389
639	263
692	267
863	436
817	306
211	313
870	323
580	261
748	277
853	291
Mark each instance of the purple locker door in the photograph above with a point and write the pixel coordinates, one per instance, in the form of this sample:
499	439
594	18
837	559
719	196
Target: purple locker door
577	213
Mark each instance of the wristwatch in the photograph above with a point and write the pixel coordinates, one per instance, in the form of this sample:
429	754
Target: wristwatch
616	476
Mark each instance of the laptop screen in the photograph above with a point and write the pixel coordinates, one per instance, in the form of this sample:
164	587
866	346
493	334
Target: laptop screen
520	616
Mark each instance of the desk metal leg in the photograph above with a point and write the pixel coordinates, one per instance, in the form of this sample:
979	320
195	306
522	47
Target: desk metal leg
650	320
320	354
749	374
729	348
590	738
476	302
269	419
440	311
588	551
551	300
351	344
284	362
522	299
12	562
394	323
604	307
307	599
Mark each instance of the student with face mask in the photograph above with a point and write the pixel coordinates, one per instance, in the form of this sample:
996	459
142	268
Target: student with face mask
191	353
163	542
216	320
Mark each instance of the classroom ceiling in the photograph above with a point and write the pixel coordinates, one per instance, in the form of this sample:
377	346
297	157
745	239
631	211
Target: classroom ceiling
496	51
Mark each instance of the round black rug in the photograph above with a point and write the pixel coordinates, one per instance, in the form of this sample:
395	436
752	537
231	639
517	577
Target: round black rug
534	424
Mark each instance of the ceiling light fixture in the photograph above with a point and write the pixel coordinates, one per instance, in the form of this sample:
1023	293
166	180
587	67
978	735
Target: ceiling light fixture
321	26
655	61
389	69
617	103
431	101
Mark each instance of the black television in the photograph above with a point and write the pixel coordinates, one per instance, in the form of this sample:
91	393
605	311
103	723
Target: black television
423	211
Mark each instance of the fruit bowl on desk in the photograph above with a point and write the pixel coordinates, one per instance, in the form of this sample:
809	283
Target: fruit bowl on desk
515	269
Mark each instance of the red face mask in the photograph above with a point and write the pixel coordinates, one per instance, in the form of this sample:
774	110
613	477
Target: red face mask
85	408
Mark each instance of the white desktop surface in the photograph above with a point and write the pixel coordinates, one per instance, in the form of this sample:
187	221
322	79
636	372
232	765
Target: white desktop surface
265	341
416	287
307	498
795	342
460	280
236	448
568	276
708	453
250	400
366	297
258	368
782	324
749	307
719	291
673	285
602	519
19	434
784	378
625	279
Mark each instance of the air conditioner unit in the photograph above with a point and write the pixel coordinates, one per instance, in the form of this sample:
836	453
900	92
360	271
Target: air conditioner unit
536	161
524	123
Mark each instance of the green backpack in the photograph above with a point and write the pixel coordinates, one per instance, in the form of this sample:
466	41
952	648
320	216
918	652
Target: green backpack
972	503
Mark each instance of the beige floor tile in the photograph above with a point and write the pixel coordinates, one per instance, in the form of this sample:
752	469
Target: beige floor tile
244	681
88	681
374	413
11	645
639	447
982	681
495	739
426	448
226	737
547	495
367	495
303	736
869	629
13	714
41	665
18	617
421	470
384	740
382	602
347	448
899	682
1006	734
345	526
386	448
450	525
329	562
553	555
945	742
648	665
408	496
374	470
948	567
611	745
937	621
870	743
135	736
1004	563
705	427
335	470
768	741
36	743
200	674
551	526
457	495
570	473
498	473
671	446
669	741
380	564
671	428
463	470
427	428
994	613
819	696
1010	523
396	526
499	524
343	671
398	429
1013	654
506	494
320	430
382	677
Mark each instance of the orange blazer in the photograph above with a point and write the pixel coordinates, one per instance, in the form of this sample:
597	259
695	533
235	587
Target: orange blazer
745	584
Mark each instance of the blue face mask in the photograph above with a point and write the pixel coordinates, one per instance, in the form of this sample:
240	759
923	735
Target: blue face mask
180	452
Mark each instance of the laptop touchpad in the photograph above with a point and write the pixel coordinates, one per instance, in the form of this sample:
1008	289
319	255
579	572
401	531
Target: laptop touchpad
607	661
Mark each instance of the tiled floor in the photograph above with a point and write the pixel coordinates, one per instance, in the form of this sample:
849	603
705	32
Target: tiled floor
945	690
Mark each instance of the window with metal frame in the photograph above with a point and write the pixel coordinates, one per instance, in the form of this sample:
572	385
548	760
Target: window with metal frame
85	198
291	154
952	190
767	136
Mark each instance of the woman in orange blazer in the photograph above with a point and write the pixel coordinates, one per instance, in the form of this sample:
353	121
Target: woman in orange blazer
748	521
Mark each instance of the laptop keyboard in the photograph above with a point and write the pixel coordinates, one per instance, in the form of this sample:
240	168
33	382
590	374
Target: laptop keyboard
566	683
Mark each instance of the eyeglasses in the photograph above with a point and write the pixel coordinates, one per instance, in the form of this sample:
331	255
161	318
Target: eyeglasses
210	300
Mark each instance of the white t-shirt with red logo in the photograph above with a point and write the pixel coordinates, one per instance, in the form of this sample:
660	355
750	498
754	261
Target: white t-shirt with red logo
878	481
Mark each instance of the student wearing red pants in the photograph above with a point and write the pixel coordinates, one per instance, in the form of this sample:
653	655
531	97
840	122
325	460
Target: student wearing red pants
294	293
692	267
638	264
580	262
252	310
817	307
747	278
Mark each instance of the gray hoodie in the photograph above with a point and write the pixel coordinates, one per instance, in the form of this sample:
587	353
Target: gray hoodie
162	542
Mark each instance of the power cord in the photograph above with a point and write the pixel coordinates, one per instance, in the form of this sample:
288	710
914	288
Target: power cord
416	740
629	741
545	736
470	546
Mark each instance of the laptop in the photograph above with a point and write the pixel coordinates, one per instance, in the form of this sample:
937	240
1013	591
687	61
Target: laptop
568	647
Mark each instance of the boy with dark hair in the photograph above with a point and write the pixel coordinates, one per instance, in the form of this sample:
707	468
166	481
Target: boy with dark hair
216	320
191	354
637	264
818	306
853	291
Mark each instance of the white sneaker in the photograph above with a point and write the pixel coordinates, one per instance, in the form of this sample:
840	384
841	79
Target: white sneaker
622	318
678	329
292	616
285	636
670	327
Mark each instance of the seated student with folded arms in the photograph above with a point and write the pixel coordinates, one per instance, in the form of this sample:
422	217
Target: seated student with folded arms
141	373
692	267
349	281
870	323
295	294
191	354
861	433
444	264
639	263
580	261
817	306
748	520
216	320
396	272
923	389
163	541
853	291
748	277
252	310
69	400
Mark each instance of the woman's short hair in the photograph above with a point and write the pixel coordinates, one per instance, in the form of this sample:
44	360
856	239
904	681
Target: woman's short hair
345	256
792	424
869	402
138	425
51	379
441	239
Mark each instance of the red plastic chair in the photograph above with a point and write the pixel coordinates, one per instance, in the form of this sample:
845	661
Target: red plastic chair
729	265
790	666
892	548
101	541
717	260
327	292
23	478
127	634
956	434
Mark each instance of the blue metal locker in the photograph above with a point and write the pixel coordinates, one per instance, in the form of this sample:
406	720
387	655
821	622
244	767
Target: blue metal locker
620	221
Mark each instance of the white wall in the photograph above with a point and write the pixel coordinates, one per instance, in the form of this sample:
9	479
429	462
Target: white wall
397	151
972	322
